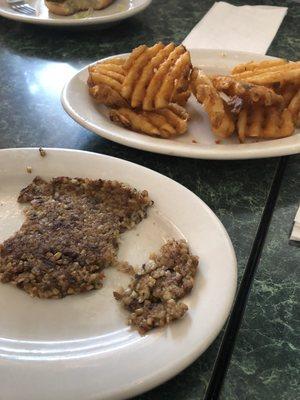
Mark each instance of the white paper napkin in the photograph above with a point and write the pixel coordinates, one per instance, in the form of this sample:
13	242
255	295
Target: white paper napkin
296	229
245	28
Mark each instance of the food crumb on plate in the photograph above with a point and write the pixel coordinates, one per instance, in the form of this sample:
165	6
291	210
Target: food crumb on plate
42	152
152	297
29	169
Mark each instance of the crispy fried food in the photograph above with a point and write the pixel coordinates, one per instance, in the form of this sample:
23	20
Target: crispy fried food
182	92
134	67
291	94
269	75
247	91
166	122
256	65
105	82
179	72
264	122
105	94
154	75
181	98
294	108
110	72
221	119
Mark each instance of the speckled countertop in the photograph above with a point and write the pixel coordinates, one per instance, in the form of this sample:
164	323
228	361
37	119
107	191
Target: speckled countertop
264	364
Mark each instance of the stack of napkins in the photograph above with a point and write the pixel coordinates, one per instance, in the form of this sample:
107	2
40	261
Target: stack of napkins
296	229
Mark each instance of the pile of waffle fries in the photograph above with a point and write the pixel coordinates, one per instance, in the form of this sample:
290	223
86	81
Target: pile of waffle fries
147	92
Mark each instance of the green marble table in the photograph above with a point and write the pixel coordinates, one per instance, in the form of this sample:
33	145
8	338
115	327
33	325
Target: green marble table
34	64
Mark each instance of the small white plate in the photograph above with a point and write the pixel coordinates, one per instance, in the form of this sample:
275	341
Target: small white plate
199	142
79	347
118	10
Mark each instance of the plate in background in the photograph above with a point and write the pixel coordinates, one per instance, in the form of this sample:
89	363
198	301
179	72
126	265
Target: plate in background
117	11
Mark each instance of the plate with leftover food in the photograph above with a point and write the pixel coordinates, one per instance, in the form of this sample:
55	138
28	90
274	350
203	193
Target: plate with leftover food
199	103
103	263
75	12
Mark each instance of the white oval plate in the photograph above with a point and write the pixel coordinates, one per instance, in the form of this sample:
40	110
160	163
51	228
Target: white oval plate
79	347
118	10
199	142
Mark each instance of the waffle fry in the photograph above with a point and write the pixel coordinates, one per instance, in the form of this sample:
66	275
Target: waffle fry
109	72
105	94
221	119
166	123
105	82
254	65
291	95
248	92
181	98
294	108
134	68
284	72
264	122
155	74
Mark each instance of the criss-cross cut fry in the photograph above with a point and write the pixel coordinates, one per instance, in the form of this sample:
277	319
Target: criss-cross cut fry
291	95
264	122
181	97
247	91
221	119
294	108
105	94
166	122
156	75
271	74
105	82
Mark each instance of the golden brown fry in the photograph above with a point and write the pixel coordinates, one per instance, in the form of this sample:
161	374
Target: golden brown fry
165	123
294	108
159	75
105	82
287	91
136	68
105	94
114	64
155	76
256	65
264	122
178	73
181	98
221	119
248	92
177	116
291	94
287	72
109	72
134	56
142	83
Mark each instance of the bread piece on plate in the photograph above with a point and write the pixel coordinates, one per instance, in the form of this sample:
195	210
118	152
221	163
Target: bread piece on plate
69	7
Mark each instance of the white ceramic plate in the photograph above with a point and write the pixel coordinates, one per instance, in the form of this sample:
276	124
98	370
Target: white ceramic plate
79	347
199	142
118	10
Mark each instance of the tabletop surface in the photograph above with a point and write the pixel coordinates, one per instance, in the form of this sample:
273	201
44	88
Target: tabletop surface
35	62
